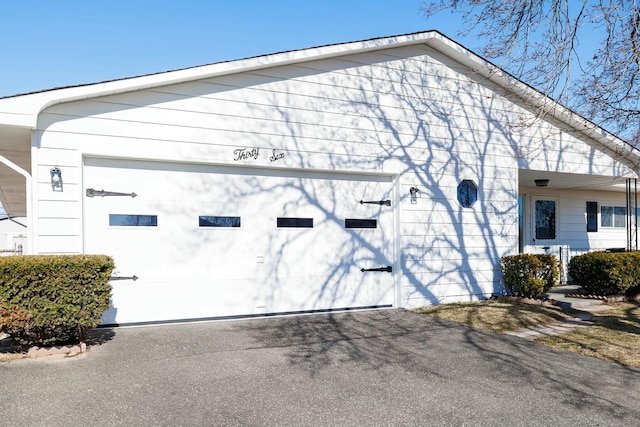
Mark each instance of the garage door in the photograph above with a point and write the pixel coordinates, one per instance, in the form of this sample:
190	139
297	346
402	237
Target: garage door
207	242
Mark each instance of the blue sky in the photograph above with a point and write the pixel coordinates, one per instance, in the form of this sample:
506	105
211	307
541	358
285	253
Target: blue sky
48	44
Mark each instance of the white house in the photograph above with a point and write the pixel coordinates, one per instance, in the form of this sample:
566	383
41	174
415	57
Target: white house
392	172
13	235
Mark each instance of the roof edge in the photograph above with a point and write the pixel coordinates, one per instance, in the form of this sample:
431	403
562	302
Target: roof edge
28	106
23	110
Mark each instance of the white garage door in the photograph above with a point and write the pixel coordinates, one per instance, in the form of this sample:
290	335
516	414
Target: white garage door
207	242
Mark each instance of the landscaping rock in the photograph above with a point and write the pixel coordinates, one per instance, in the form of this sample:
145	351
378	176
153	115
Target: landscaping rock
9	350
68	350
532	301
607	299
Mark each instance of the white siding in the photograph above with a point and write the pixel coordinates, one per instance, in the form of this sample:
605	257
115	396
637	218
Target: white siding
59	221
408	111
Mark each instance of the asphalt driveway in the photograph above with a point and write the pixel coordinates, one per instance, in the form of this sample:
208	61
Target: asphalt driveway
388	367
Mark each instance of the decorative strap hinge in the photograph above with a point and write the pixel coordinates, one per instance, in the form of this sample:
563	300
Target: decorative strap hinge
377	202
387	269
134	278
101	193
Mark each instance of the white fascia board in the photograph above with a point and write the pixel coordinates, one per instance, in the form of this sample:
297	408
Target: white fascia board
20	111
23	110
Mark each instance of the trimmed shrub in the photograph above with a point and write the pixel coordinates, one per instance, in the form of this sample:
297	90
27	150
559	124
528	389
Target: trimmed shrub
529	275
607	273
53	299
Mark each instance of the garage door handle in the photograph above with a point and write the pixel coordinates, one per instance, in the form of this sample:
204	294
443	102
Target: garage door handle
388	269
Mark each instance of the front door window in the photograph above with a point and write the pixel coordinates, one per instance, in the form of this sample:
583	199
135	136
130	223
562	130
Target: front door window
545	219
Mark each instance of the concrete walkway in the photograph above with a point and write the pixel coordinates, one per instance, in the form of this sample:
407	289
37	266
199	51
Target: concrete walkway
589	307
554	328
559	293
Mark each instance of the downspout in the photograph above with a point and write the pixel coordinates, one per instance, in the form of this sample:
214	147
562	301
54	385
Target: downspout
10	218
27	178
632	214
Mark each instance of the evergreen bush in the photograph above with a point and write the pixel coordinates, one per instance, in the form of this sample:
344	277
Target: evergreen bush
607	273
529	275
53	299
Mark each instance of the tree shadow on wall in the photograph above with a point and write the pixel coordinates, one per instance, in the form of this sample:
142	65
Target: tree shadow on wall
431	131
425	119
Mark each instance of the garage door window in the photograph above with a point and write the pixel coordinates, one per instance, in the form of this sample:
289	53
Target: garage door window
360	223
294	222
219	221
123	220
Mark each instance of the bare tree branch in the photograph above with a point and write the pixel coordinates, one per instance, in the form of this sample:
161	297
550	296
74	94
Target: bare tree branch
545	44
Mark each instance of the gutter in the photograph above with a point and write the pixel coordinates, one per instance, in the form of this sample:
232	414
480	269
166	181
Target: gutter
10	218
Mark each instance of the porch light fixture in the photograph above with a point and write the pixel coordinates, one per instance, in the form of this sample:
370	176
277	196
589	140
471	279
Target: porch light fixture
56	178
414	192
541	182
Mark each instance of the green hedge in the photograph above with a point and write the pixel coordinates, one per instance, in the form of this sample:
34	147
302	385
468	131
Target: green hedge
55	299
605	273
529	275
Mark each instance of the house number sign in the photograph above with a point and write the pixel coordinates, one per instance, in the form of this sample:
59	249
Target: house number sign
240	154
246	153
276	155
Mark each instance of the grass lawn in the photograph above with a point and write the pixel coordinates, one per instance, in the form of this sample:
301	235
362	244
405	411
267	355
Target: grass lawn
498	316
615	337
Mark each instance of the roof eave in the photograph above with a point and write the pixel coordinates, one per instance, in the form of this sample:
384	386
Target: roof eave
23	110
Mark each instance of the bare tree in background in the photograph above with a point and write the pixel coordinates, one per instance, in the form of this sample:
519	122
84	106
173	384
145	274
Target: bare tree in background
540	42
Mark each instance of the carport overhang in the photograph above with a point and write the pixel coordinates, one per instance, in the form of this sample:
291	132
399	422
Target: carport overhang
571	181
562	181
15	169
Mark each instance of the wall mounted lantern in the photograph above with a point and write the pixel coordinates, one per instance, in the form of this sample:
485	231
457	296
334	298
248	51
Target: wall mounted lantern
541	182
56	178
414	192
